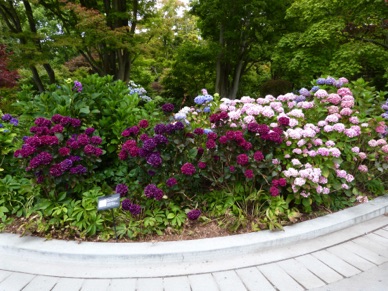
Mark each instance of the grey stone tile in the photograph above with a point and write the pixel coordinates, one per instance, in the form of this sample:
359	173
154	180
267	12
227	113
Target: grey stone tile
95	285
147	284
327	274
336	263
228	281
279	278
16	282
180	283
352	258
254	280
4	275
382	233
122	284
41	283
203	282
365	253
68	284
378	239
301	274
371	245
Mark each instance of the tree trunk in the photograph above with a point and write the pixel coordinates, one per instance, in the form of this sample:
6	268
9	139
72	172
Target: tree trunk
50	73
218	85
37	79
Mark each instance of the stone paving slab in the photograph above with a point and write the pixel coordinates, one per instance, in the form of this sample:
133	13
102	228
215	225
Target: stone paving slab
353	259
254	280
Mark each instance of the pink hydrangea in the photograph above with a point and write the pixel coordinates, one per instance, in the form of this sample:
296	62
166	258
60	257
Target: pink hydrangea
317	142
325	190
341	174
354	120
331	118
355	149
385	149
321	93
381	142
349	178
330	143
322	123
363	168
345	186
346	111
372	143
333	109
334	98
328	128
362	155
299	181
335	152
350	132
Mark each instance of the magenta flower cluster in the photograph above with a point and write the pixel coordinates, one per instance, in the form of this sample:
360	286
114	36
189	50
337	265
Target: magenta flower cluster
48	156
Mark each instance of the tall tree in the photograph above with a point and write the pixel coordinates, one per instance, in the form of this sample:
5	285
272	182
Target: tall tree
104	32
341	38
19	18
243	33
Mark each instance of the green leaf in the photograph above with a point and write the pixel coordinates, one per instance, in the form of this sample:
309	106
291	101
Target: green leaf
85	110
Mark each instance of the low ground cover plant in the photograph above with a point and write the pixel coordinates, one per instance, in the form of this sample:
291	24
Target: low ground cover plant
243	163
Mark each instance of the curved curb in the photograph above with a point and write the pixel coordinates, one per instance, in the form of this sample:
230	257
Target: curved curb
150	256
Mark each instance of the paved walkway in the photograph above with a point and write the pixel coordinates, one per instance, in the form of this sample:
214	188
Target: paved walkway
347	250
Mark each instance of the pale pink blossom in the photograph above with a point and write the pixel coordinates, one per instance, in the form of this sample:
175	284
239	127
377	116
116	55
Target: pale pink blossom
324	152
362	199
350	132
345	186
288	143
312	153
328	128
319	189
335	152
322	123
339	127
317	142
275	161
262	101
355	149
301	142
247	99
309	132
223	107
298	113
343	80
349	178
291	104
381	142
297	151
364	124
333	109
330	143
248	119
354	120
299	181
287	156
341	173
291	172
321	93
372	143
325	190
346	111
322	180
295	162
385	149
331	118
293	122
268	112
362	155
363	168
304	194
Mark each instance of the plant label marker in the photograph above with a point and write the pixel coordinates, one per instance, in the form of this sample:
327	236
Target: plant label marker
110	202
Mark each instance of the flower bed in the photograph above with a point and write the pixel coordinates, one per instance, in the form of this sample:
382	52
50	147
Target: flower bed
244	164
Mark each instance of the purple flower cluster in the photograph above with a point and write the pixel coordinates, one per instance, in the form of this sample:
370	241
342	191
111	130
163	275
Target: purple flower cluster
151	191
171	182
122	189
193	214
12	120
168	107
77	86
127	205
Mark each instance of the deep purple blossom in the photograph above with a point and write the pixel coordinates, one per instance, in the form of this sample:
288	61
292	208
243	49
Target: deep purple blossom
89	131
193	214
171	182
56	170
178	126
122	189
149	145
160	128
168	107
66	164
248	174
6	117
135	209
258	156
151	191
126	204
96	140
155	160
79	169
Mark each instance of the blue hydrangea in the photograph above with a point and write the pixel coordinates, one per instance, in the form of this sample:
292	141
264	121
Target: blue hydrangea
304	92
200	100
1	125
206	109
314	89
329	81
321	81
300	98
207	131
385	115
